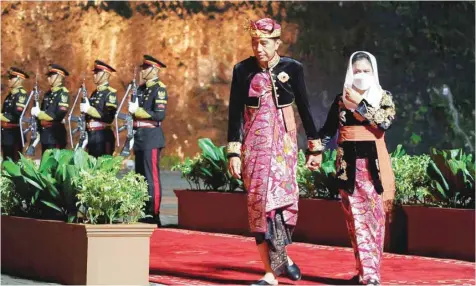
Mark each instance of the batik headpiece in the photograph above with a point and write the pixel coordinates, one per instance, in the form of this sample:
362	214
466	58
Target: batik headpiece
263	28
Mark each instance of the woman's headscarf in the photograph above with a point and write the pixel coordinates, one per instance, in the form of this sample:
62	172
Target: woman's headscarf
374	94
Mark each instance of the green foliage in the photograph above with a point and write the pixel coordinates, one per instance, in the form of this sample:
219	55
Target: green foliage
210	168
109	199
49	191
9	200
321	183
411	180
452	178
167	162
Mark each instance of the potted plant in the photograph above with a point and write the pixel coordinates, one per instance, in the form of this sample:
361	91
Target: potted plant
216	201
445	225
72	220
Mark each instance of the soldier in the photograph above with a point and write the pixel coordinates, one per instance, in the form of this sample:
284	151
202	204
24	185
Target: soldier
11	110
149	111
53	110
100	112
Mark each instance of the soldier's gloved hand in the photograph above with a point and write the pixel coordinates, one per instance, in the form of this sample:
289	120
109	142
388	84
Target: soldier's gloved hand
133	106
84	107
35	111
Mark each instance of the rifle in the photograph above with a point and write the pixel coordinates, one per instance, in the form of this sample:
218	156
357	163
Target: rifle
128	118
80	120
35	135
22	120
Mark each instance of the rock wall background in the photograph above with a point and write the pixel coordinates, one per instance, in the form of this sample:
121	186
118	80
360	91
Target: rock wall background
420	46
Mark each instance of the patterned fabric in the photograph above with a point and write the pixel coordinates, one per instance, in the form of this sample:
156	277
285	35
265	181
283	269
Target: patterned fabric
365	218
269	160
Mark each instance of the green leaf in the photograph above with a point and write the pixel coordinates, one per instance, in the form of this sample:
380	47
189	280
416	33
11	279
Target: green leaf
11	168
52	205
208	148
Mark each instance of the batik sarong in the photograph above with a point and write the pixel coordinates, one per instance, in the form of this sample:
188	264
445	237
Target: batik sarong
269	156
365	218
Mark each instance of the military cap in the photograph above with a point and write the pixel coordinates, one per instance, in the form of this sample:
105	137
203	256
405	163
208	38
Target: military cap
102	66
57	69
16	72
151	61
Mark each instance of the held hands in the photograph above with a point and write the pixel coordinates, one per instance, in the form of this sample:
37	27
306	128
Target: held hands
84	107
313	162
35	110
352	96
133	106
234	166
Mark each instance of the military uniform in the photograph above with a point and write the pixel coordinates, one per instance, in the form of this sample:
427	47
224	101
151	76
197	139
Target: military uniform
12	108
149	137
99	117
54	108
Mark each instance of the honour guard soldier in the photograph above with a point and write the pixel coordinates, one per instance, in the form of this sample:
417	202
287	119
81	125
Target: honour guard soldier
11	110
149	111
53	110
100	110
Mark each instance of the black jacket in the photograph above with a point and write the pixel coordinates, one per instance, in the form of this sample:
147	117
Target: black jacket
286	93
153	99
347	152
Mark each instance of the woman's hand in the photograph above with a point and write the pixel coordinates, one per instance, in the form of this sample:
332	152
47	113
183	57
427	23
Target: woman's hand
313	162
352	96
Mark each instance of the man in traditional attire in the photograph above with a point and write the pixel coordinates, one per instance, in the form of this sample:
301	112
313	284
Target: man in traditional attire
362	114
262	144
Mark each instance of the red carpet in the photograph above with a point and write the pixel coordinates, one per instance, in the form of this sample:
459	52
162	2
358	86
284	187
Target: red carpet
181	257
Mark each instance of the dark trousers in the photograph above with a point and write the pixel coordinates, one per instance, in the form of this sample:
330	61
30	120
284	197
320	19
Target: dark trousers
147	164
45	147
101	142
12	151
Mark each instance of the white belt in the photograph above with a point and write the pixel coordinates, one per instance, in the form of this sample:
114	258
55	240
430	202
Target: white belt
145	124
96	124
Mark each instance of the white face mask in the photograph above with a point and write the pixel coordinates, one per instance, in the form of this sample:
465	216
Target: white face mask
363	81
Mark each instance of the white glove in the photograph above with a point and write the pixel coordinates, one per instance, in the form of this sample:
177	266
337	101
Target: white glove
84	107
133	106
35	110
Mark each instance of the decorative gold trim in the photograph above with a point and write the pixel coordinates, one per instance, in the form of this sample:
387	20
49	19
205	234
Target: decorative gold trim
274	61
315	145
233	147
255	33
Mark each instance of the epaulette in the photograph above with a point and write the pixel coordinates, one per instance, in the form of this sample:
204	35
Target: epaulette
150	83
65	89
161	84
18	89
112	89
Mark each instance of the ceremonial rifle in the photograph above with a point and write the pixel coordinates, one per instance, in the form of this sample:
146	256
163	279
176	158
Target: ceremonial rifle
128	118
80	120
35	135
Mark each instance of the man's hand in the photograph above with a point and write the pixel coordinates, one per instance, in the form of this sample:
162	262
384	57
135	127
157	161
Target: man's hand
35	110
84	107
234	166
133	106
313	162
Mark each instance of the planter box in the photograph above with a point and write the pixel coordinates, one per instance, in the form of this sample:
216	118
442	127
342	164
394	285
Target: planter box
212	211
441	232
76	253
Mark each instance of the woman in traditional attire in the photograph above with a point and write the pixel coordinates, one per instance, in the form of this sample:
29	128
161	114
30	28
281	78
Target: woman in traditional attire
362	114
262	146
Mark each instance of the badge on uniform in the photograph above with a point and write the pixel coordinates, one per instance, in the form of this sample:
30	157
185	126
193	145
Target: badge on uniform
112	99
21	99
64	98
161	94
